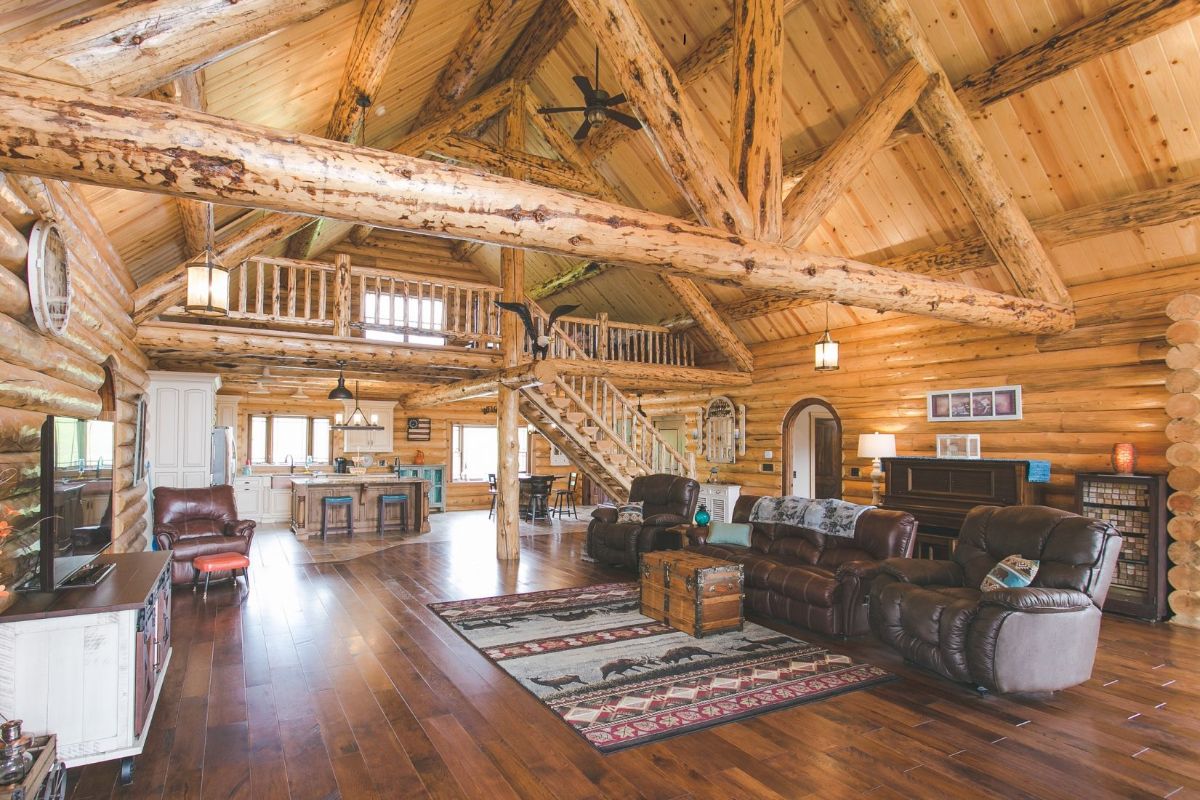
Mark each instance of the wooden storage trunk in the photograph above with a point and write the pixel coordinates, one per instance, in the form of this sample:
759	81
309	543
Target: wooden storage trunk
696	594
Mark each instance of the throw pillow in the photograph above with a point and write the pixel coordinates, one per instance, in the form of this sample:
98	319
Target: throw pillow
1013	572
737	533
630	513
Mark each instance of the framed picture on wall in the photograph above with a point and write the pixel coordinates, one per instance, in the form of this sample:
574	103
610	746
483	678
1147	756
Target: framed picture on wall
557	457
987	403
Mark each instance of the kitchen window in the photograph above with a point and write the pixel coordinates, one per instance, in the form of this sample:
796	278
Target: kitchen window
476	451
273	438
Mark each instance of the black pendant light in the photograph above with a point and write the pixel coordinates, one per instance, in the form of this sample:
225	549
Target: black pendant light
340	392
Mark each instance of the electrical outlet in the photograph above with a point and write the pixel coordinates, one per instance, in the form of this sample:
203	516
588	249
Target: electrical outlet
766	467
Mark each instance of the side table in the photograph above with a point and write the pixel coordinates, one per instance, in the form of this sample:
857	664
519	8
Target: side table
682	532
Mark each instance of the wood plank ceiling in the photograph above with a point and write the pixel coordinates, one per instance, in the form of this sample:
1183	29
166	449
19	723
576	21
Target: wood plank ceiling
1120	124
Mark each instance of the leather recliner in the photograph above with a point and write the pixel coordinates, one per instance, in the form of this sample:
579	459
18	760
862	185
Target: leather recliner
809	578
1040	638
198	522
668	500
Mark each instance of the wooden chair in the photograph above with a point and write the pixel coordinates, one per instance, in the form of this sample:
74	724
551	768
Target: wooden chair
564	499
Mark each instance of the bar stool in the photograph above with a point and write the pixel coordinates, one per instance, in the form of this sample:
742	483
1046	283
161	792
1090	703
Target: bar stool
539	497
387	499
343	500
564	499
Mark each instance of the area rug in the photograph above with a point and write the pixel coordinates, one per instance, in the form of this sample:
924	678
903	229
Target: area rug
621	679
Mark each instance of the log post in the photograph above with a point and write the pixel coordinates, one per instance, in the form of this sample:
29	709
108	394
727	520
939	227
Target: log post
342	294
756	149
602	351
512	339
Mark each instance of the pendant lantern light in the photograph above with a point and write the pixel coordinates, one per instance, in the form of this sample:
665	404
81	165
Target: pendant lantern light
207	280
826	351
357	420
340	392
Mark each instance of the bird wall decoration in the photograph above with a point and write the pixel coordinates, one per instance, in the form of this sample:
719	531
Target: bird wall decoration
539	343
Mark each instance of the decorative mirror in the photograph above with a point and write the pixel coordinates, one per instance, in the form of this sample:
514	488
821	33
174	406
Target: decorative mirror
49	276
720	431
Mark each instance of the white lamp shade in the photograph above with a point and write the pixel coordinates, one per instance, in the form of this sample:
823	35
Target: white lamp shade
207	288
876	445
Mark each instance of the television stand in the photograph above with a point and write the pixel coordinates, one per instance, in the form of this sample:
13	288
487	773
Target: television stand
89	575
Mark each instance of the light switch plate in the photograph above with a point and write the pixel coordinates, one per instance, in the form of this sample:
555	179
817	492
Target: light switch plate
768	454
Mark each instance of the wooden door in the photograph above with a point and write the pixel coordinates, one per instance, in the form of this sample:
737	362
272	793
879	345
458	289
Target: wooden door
827	458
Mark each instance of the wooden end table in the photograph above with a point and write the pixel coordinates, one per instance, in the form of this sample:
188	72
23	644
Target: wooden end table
682	531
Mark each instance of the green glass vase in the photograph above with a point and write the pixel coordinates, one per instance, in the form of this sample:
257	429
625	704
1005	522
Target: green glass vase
702	515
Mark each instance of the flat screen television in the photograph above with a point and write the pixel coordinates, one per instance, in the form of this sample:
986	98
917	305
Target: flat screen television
76	501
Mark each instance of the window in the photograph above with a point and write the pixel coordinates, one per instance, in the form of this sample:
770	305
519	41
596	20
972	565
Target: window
277	437
476	451
423	314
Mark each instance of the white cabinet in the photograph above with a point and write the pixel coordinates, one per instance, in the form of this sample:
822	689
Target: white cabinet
181	423
248	495
277	504
378	412
227	412
719	499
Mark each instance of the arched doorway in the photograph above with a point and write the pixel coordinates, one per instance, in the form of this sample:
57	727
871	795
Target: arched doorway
812	450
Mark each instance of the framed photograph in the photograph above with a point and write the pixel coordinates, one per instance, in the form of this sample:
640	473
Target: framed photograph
557	457
958	445
985	403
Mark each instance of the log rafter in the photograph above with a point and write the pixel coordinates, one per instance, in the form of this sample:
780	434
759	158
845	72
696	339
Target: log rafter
550	23
960	148
380	25
66	133
756	141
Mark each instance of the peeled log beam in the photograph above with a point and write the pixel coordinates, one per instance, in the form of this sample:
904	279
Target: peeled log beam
550	23
28	390
1184	479
1185	331
944	120
160	293
22	346
1115	28
1182	454
756	152
519	377
1183	380
1184	356
139	144
578	273
810	200
170	340
692	298
669	120
188	91
131	47
14	248
14	207
1184	307
494	159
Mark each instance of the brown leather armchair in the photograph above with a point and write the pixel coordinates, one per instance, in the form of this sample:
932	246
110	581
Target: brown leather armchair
668	500
198	522
1041	638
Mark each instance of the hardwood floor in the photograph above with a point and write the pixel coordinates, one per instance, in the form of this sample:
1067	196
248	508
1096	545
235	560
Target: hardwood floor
333	679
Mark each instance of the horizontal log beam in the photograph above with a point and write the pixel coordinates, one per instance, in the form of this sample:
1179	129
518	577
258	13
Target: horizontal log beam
497	159
577	273
519	377
167	340
132	143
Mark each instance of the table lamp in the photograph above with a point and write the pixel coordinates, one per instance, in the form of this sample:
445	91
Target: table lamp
876	446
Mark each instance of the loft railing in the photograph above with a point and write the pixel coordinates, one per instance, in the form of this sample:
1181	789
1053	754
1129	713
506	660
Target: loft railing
282	291
625	341
415	306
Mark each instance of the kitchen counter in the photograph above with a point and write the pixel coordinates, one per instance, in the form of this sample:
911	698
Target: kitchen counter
308	490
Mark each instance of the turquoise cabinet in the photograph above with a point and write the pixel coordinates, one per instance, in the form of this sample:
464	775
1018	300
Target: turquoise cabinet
435	474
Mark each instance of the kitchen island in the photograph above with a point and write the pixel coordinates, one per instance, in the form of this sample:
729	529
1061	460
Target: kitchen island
365	489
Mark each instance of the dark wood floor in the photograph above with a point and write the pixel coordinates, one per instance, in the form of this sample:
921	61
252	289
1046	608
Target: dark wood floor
333	680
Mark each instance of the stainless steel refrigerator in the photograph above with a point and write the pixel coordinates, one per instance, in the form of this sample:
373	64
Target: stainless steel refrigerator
224	457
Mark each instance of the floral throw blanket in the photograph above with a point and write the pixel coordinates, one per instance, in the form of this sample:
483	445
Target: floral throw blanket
831	517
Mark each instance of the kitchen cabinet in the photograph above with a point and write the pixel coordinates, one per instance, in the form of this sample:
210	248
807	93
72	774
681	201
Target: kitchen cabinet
88	664
248	495
181	413
380	413
719	499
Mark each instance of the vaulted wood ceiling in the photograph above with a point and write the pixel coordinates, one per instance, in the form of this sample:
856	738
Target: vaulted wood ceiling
1118	125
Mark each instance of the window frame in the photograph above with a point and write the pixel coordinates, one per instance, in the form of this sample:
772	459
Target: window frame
310	419
525	464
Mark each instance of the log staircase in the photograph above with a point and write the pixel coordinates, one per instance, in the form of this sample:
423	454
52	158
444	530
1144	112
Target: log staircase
597	426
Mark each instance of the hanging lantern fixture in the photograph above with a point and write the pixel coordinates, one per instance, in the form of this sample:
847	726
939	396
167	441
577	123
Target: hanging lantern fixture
826	351
207	280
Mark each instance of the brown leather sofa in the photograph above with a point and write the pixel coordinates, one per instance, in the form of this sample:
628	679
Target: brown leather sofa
815	580
1041	638
198	522
668	500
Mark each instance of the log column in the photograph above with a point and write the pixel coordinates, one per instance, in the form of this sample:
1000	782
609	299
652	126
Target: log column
342	295
512	335
1184	456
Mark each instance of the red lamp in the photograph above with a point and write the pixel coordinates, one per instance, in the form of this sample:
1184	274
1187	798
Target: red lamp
1124	458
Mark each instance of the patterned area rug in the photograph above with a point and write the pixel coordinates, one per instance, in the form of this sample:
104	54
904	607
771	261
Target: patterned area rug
621	679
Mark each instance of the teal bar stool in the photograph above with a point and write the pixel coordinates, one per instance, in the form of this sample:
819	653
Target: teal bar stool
387	499
327	503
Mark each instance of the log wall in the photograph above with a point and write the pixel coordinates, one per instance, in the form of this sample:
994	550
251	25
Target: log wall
1083	391
1183	455
42	374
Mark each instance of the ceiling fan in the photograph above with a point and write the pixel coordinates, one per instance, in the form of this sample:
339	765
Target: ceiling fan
597	107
